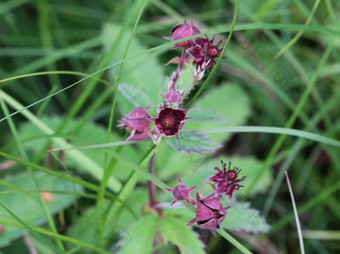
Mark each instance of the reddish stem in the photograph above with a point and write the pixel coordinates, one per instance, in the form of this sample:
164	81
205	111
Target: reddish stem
178	71
151	187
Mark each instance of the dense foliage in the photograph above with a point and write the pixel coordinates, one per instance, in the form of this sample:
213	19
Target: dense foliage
70	69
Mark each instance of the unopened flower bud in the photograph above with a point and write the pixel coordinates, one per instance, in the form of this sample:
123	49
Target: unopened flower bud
181	192
174	96
209	213
138	123
181	31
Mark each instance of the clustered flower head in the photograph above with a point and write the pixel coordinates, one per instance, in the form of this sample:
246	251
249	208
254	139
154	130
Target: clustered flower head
210	213
225	182
171	116
204	52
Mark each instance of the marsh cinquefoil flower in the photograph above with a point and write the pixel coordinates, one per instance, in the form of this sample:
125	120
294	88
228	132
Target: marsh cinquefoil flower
137	122
204	52
170	120
225	181
209	213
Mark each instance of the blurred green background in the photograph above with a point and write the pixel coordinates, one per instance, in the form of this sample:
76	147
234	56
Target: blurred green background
282	69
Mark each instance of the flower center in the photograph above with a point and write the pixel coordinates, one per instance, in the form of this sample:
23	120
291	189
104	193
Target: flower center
216	215
169	120
212	52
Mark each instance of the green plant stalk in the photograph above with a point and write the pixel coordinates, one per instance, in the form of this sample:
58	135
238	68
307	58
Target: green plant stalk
36	230
80	182
7	6
292	119
93	107
275	130
310	204
72	50
201	89
109	167
129	186
52	73
34	180
294	151
35	233
85	162
299	34
302	248
46	39
90	87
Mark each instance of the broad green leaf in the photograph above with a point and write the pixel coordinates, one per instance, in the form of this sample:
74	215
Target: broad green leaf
90	134
139	237
243	218
86	228
27	206
229	100
143	72
136	96
199	114
175	231
192	142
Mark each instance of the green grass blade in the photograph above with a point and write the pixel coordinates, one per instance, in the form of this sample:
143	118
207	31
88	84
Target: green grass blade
296	215
275	130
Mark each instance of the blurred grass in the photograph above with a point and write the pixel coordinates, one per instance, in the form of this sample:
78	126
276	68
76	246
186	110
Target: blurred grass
41	41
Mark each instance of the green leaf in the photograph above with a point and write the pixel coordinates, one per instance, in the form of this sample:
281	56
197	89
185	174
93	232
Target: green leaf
90	134
139	237
192	142
227	99
134	95
175	231
199	114
243	218
26	204
143	72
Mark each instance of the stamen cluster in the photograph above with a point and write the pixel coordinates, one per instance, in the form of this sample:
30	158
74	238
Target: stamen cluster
209	211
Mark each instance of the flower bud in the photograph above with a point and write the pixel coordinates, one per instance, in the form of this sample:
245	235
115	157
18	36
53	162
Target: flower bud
174	96
181	31
138	123
209	213
181	192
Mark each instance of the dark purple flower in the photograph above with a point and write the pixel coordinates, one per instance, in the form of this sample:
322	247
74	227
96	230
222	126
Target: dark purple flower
226	181
204	52
170	120
181	31
181	192
138	123
209	213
